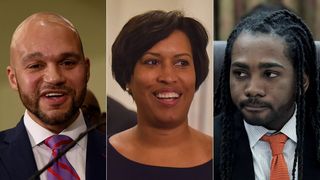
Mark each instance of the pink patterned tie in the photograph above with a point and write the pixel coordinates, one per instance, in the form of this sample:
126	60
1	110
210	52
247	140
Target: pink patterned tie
62	169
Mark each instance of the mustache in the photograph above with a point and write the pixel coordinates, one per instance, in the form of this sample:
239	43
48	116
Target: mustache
57	87
255	102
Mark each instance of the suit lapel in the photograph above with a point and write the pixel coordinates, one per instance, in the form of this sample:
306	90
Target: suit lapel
17	155
243	164
96	156
311	169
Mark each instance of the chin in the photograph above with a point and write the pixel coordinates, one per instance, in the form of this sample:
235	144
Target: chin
255	120
57	117
168	122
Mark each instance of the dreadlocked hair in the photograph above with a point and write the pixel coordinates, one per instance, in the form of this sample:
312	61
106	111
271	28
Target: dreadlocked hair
300	49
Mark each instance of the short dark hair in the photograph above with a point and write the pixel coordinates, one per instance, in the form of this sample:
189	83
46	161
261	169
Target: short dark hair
300	49
143	31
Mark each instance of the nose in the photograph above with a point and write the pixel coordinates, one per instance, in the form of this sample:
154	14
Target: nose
53	75
255	88
167	74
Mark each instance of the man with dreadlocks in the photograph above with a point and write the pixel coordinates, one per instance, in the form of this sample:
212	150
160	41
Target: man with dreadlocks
268	89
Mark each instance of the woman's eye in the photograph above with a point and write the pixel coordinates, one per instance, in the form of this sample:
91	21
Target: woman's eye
182	63
151	62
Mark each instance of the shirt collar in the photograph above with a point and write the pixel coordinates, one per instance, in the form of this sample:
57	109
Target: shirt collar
37	134
255	133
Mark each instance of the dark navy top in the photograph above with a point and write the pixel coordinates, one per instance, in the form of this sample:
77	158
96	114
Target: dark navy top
121	168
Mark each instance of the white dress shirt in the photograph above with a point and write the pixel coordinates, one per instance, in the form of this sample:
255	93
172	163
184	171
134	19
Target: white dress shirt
42	153
261	151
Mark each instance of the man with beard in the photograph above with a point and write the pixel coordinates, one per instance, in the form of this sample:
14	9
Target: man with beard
269	98
50	71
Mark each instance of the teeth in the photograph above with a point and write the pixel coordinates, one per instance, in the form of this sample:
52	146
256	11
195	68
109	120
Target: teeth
53	94
168	95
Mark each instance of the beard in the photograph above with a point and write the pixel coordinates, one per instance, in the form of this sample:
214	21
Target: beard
263	121
275	118
32	104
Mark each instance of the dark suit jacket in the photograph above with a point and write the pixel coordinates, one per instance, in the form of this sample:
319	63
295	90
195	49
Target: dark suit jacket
243	162
17	161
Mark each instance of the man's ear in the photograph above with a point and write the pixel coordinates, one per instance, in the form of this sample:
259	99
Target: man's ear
305	82
12	77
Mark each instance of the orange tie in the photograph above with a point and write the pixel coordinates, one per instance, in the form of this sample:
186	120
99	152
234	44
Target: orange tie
279	169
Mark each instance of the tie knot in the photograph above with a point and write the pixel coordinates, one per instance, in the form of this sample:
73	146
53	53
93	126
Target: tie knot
57	141
276	142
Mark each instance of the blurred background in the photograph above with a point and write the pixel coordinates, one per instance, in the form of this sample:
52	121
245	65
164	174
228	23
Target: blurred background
90	20
120	11
227	13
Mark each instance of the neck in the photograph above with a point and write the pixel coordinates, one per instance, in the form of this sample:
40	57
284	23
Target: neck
152	136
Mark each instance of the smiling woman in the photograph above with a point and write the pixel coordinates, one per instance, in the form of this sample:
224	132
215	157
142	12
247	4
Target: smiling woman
163	82
160	59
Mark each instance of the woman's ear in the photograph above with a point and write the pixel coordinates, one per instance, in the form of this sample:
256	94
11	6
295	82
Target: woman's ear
305	82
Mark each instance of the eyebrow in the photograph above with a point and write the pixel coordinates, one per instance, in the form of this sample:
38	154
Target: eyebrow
270	65
240	65
40	55
70	54
177	55
261	65
32	56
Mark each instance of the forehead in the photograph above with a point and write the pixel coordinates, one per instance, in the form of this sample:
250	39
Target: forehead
46	38
259	48
176	41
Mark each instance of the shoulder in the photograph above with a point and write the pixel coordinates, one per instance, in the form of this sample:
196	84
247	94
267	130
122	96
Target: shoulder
205	144
4	135
17	132
204	139
9	135
122	141
6	132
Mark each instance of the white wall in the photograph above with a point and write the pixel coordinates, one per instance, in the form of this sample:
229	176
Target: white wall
120	11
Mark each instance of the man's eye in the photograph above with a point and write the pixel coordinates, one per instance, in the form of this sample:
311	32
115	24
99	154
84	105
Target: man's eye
270	74
34	66
240	74
68	63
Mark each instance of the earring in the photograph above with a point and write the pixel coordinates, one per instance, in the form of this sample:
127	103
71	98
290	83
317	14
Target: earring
127	88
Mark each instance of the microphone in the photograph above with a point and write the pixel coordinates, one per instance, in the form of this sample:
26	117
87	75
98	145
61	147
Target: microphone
67	148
